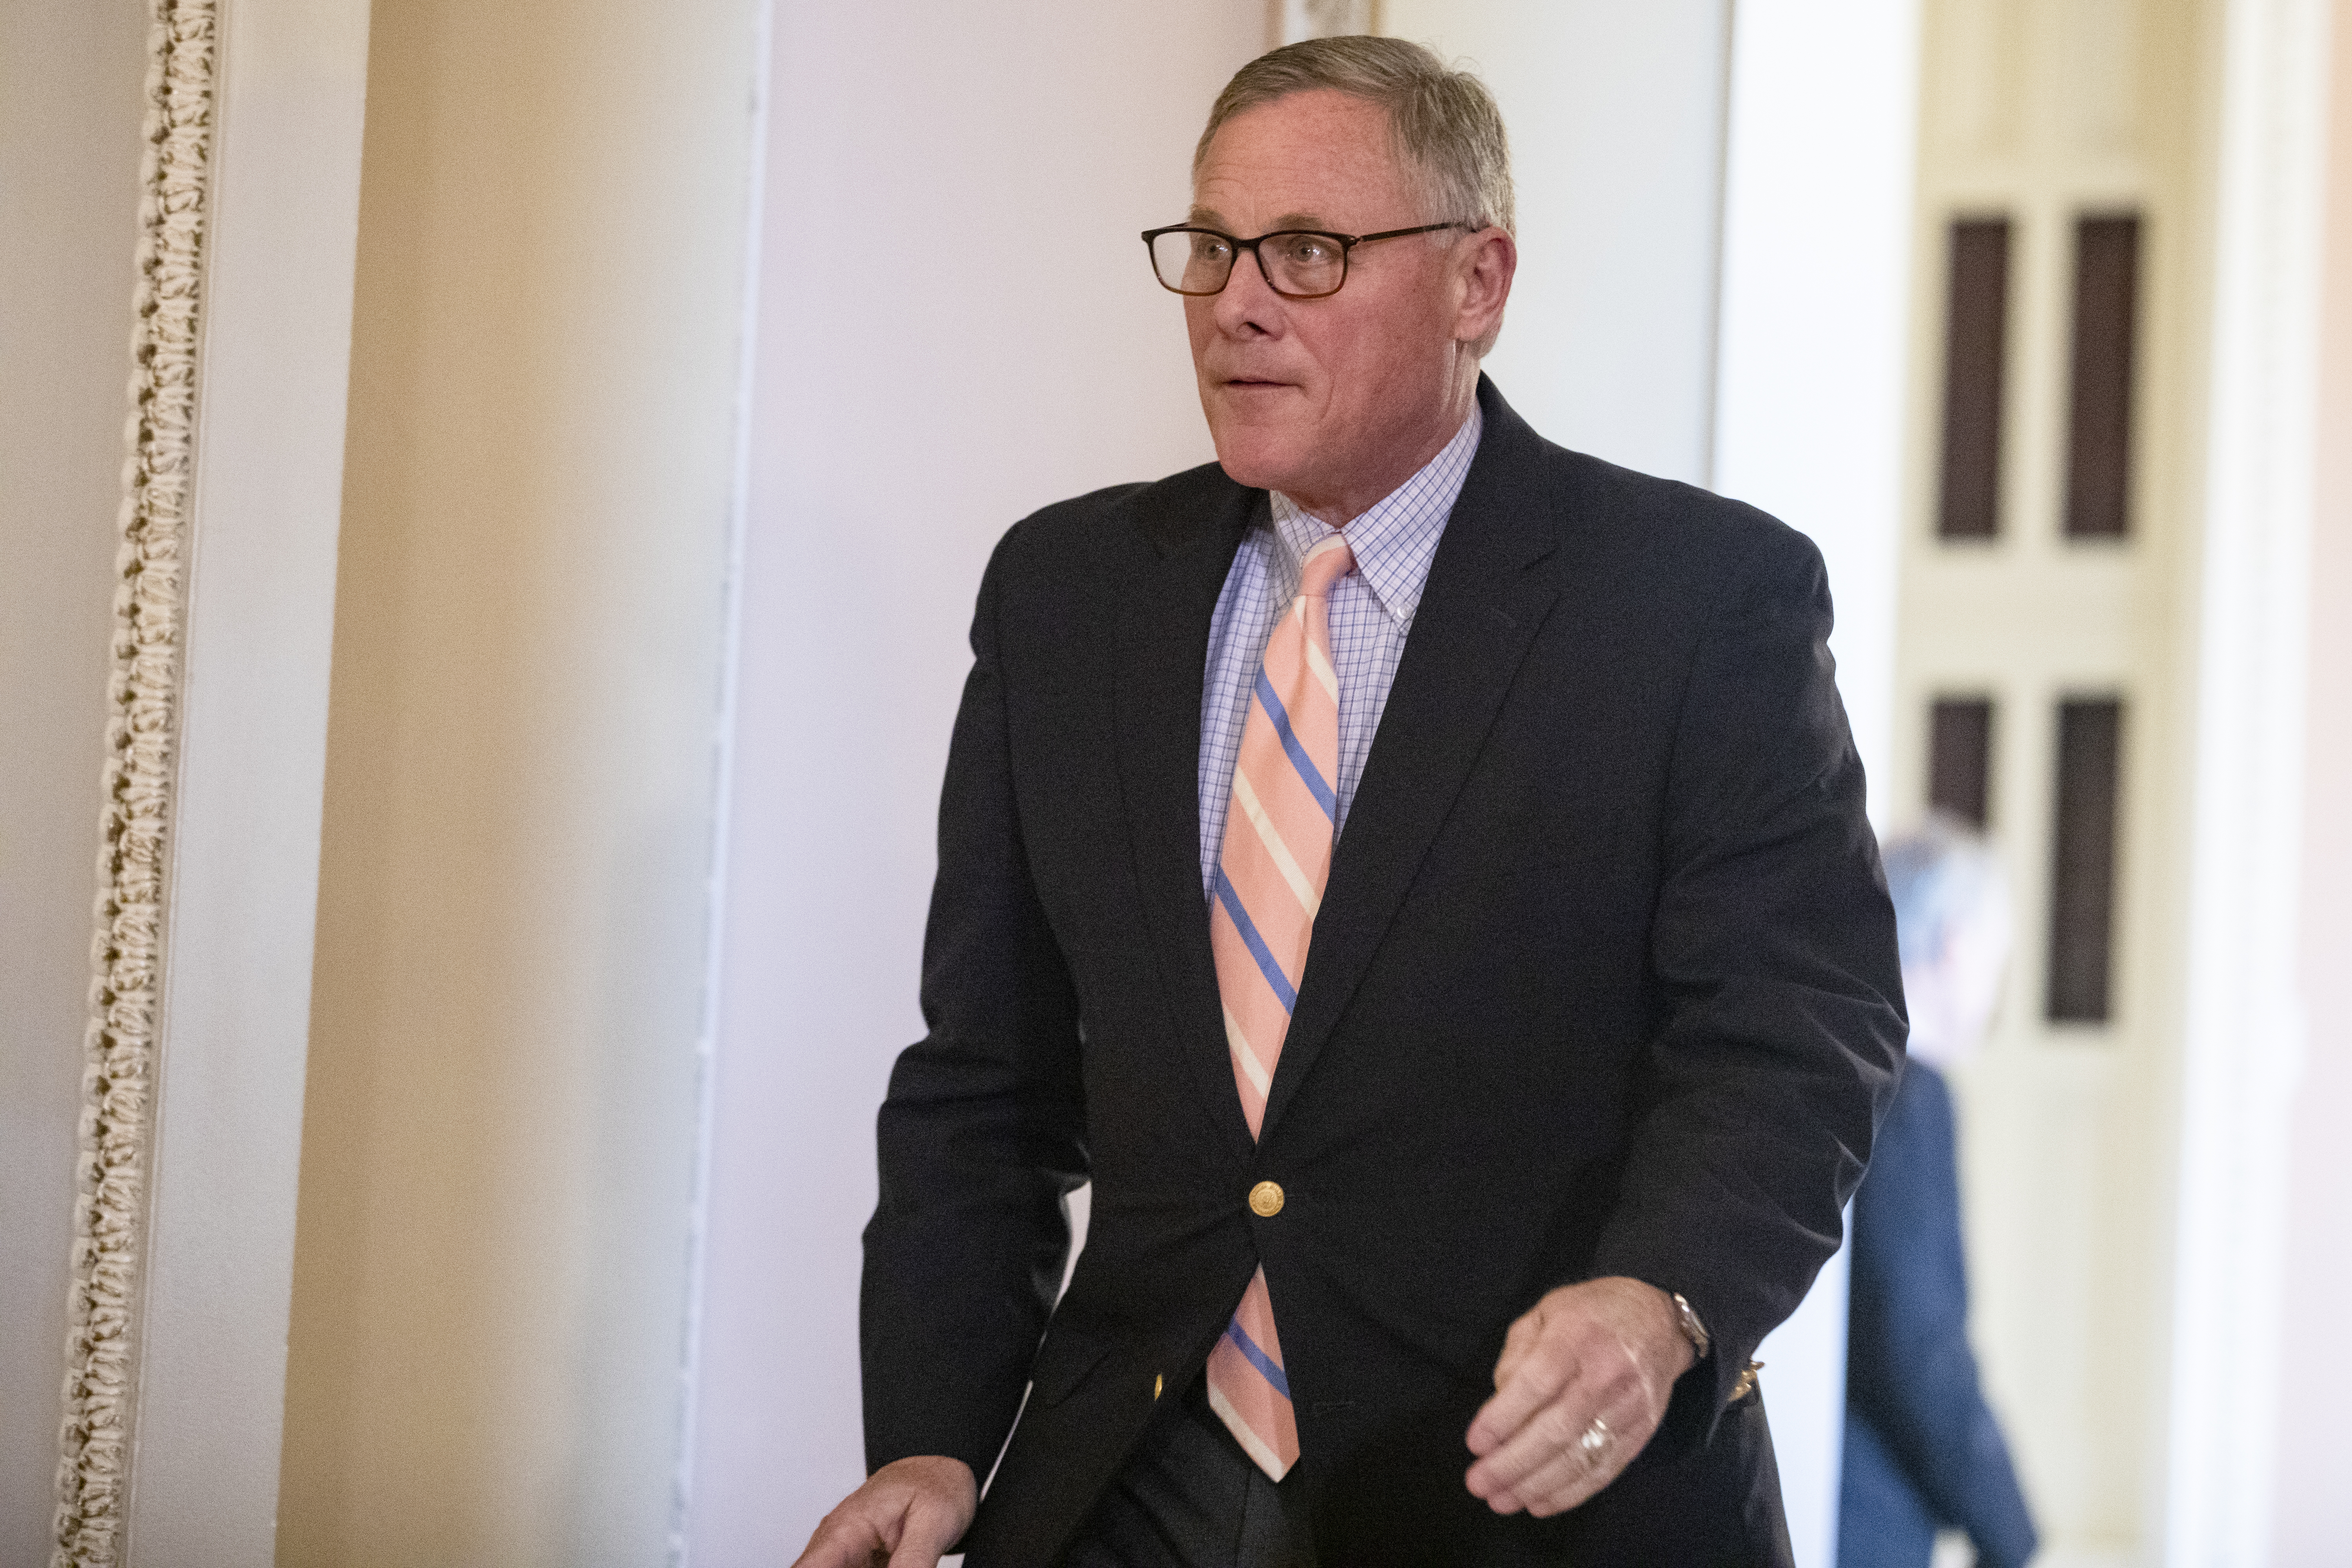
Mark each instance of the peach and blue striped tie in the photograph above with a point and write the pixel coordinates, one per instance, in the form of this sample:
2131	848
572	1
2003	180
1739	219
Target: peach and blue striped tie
1270	879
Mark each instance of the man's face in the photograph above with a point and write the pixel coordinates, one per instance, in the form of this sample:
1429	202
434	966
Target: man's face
1335	400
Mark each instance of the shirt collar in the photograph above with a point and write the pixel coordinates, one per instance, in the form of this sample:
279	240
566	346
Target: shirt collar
1395	538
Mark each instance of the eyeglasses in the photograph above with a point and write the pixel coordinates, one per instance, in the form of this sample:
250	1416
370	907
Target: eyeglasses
1297	263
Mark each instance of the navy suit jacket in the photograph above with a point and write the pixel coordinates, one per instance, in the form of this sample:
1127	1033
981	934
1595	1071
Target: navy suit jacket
1603	982
1922	1450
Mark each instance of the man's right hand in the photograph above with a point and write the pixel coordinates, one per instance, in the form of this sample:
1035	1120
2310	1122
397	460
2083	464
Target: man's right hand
906	1515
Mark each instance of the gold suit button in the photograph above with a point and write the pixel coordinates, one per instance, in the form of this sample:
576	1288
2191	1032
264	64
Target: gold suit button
1266	1200
1159	1381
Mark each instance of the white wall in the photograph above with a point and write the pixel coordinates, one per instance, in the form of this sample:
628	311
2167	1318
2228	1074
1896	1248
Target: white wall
2313	1443
957	326
1816	272
70	103
2243	1025
1615	114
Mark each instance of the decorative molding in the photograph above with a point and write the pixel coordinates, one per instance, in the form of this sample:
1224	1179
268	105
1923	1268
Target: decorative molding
143	699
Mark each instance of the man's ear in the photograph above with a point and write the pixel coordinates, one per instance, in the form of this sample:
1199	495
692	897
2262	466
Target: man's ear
1487	260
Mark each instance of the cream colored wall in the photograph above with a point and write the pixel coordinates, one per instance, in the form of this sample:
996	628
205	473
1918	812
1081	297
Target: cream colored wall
70	102
491	1268
2315	1443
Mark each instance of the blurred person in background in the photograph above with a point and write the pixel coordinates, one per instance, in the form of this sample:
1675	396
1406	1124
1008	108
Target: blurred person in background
1923	1452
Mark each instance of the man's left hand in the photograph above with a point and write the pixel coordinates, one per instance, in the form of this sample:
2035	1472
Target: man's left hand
1582	1382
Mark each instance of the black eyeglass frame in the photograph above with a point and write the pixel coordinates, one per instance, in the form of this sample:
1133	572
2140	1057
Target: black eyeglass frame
1347	243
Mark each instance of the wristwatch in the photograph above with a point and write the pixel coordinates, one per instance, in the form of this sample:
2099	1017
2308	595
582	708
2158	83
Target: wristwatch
1693	1330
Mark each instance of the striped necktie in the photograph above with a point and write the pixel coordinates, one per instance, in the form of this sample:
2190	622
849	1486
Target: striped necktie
1270	879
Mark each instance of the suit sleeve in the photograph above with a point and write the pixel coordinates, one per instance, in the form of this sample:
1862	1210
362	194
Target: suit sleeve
981	1133
1773	942
1909	1371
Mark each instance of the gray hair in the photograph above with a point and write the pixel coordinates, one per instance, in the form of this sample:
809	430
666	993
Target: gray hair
1442	123
1941	875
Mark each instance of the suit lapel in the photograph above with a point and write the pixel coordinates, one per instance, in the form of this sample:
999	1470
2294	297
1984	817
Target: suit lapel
1163	650
1479	615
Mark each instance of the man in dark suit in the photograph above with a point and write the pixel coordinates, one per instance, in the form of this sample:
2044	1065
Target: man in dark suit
1568	1089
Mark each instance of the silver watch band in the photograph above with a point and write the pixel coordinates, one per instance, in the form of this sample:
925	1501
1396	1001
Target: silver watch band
1693	1330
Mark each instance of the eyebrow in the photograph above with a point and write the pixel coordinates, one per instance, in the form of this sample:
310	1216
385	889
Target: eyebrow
1209	217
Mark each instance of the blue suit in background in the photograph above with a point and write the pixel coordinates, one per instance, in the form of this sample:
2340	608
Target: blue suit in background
1922	1450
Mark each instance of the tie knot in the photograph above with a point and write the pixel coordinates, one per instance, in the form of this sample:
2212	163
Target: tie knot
1329	561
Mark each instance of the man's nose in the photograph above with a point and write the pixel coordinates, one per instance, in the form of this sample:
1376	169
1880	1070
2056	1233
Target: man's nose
1248	303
